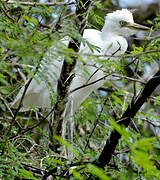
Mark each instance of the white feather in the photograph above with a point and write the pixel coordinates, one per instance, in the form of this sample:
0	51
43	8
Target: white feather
109	40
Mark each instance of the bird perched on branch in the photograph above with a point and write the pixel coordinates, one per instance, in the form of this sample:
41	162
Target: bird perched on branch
89	76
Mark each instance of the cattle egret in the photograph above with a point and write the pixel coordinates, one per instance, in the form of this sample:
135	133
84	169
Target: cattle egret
111	41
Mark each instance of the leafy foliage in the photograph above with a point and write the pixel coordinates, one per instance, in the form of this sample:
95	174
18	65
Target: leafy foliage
25	37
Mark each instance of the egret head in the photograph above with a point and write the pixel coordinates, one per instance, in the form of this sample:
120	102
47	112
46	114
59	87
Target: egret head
121	22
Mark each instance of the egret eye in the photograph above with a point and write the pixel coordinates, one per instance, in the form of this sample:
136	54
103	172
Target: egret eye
123	23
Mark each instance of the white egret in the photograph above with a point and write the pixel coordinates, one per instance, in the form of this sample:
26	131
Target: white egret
111	40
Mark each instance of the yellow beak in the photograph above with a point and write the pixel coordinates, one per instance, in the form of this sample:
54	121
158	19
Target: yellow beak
139	27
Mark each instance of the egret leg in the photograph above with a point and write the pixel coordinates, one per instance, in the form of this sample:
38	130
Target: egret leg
70	125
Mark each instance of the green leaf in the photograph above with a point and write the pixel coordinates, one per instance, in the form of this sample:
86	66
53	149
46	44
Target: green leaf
76	174
64	142
94	170
26	174
31	20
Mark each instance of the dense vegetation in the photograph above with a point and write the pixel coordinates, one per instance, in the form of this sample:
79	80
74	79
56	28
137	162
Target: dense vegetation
27	31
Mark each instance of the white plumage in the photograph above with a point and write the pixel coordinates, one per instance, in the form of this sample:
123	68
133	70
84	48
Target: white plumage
118	25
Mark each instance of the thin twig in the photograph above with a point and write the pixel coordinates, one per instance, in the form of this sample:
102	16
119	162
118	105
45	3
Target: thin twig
98	68
95	125
33	168
150	122
40	4
10	111
36	125
22	97
5	56
22	65
128	78
8	16
85	85
134	59
130	113
103	78
115	56
134	124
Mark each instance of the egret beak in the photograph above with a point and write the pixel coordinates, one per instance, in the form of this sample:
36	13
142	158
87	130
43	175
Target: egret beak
139	27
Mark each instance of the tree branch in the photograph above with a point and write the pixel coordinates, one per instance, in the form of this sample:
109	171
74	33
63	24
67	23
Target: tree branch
66	77
116	56
39	4
125	120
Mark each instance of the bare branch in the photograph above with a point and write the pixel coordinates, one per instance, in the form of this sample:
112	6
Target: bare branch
153	123
110	56
95	125
39	4
34	126
129	78
6	14
103	78
85	85
10	111
21	100
131	111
